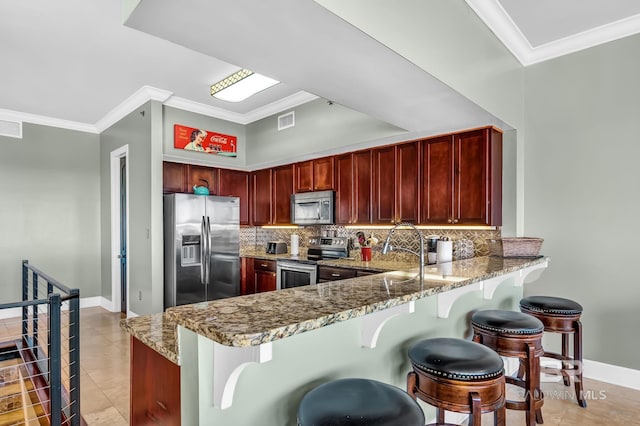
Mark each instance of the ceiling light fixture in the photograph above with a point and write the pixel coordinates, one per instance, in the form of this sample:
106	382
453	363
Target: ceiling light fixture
240	85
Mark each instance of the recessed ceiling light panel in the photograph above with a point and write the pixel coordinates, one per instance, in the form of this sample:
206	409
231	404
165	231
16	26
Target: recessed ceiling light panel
241	85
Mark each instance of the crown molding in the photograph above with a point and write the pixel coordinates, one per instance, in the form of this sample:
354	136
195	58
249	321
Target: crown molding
140	97
291	101
46	121
148	93
501	24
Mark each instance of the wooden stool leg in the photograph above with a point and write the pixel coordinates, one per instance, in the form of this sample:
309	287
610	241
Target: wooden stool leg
521	369
577	357
440	415
565	355
412	378
500	416
475	418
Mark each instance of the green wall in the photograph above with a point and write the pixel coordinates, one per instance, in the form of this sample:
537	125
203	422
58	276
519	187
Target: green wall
582	189
50	208
320	129
143	135
174	116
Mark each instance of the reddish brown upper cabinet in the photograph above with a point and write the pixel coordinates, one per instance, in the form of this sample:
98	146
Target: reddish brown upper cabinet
203	176
395	184
282	189
238	184
461	179
407	182
261	199
174	177
313	175
362	187
344	189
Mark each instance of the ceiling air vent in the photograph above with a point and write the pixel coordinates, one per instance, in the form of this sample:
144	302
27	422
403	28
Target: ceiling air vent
13	129
286	120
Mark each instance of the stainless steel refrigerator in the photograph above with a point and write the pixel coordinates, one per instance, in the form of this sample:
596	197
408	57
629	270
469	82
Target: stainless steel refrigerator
201	248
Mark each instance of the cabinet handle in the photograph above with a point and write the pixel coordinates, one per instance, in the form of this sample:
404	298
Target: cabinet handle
335	275
455	221
151	417
161	404
448	220
264	265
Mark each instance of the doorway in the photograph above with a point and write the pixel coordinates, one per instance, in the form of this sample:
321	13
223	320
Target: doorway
123	235
120	231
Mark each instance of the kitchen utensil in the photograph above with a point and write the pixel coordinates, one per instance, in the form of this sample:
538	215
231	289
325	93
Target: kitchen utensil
365	254
200	190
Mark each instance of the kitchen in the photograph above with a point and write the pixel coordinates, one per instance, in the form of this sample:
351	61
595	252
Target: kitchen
566	149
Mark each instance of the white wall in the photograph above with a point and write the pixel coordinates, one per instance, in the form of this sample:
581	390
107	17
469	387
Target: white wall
50	208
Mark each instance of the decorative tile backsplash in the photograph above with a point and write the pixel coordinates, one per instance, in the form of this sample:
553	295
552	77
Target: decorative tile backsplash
464	241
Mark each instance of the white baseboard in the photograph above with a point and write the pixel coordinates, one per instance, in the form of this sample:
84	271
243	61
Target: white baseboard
621	376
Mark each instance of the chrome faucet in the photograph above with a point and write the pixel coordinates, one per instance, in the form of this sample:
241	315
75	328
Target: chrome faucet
387	247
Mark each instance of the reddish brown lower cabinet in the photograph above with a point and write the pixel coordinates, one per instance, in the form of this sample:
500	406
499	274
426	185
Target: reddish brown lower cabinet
174	177
155	387
264	275
237	184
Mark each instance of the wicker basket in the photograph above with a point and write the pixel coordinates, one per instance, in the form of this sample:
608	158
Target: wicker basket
515	247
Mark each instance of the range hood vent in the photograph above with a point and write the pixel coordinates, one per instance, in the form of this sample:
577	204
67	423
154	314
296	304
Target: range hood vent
12	129
286	120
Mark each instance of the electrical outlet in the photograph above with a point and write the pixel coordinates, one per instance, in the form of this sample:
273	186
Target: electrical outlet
140	295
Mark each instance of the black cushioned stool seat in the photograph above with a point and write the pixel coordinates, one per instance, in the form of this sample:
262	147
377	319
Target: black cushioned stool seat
458	375
515	334
347	402
559	315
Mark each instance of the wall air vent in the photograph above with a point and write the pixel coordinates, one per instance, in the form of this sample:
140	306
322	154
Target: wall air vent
13	129
286	120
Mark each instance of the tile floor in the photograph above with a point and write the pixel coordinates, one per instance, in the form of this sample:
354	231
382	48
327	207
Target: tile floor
105	383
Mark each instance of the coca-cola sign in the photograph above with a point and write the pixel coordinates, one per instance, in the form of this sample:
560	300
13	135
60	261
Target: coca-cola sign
200	140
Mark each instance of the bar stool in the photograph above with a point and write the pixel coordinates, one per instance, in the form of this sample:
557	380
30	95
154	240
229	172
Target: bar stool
358	402
458	375
514	334
562	316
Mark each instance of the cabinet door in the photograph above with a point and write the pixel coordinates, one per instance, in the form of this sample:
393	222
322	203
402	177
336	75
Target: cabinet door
303	176
323	174
174	177
265	281
247	283
261	206
384	185
155	398
237	183
437	180
203	176
362	190
328	273
344	189
282	190
471	163
407	172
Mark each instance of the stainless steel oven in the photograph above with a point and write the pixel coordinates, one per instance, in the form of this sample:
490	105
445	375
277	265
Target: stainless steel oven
295	273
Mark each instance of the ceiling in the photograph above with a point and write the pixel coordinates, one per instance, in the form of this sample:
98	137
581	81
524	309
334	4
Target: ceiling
74	64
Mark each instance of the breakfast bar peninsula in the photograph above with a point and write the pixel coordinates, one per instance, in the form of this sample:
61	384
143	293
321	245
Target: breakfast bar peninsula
250	359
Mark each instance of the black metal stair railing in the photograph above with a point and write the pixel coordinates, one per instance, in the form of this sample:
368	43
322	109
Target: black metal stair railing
47	345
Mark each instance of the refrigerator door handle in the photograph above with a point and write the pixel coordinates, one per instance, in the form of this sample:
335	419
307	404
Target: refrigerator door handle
203	250
208	281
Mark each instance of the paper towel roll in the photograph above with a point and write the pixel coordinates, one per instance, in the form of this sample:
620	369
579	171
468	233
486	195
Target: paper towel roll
294	244
444	251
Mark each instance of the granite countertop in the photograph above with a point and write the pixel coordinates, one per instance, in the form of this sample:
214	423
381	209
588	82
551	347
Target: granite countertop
265	317
157	331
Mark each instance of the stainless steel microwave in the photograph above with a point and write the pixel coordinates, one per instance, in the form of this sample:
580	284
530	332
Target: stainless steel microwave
313	208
